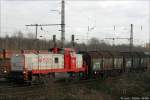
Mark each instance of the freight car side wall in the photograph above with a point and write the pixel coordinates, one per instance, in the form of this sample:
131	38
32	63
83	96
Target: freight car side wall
148	63
118	62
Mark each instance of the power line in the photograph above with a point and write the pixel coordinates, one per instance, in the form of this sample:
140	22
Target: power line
62	24
131	38
36	27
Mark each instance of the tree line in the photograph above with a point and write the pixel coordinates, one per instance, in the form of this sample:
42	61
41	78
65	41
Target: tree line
19	42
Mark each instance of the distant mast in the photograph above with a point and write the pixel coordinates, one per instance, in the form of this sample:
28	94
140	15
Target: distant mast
62	23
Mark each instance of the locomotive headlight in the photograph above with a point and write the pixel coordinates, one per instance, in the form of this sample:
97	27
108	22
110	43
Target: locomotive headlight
24	72
95	72
5	71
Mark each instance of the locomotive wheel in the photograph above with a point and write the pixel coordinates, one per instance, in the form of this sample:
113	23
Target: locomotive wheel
44	79
35	79
81	75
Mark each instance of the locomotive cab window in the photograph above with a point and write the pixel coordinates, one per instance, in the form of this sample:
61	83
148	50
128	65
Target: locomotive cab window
56	60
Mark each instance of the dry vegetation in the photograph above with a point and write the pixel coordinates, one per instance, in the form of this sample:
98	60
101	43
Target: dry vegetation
18	41
112	88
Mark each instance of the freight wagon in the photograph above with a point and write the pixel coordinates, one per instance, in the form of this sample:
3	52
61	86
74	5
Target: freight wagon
103	63
106	63
144	61
135	61
147	60
118	61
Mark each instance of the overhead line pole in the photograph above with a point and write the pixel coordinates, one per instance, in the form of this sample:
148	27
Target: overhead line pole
131	38
131	44
36	27
117	38
62	23
149	40
36	30
114	35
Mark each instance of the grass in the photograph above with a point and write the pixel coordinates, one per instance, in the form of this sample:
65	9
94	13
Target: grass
112	88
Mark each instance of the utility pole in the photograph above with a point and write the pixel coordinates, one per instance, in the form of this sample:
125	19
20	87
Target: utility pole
115	39
73	41
36	26
114	36
131	44
149	41
131	38
113	44
36	29
62	23
90	29
54	40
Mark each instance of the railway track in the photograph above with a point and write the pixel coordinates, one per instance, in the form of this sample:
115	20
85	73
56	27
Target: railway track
40	89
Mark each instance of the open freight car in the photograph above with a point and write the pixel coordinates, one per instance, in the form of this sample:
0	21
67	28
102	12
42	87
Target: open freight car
117	62
134	61
102	63
143	62
147	60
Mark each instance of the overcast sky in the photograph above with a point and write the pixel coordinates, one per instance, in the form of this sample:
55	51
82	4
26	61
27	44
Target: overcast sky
79	15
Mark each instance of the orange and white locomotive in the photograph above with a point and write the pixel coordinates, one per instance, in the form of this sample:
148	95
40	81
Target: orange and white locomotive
28	66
